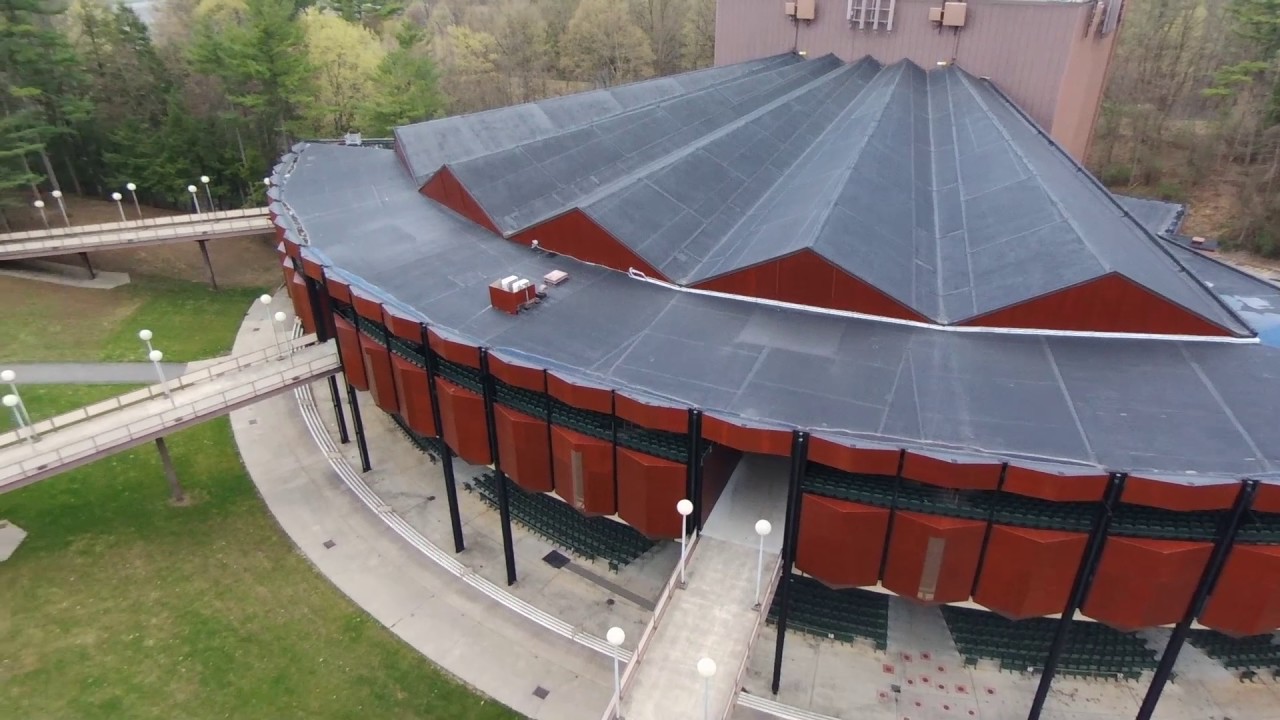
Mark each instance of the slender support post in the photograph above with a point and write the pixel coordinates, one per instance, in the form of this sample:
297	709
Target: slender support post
337	410
1208	579
176	493
208	265
1079	589
84	258
759	572
695	466
446	452
684	543
356	422
790	531
504	502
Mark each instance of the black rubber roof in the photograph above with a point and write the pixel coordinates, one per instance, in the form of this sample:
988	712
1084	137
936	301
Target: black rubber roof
1193	411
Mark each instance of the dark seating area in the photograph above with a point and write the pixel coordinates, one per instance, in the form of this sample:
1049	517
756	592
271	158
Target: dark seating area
560	524
835	614
1253	653
1092	649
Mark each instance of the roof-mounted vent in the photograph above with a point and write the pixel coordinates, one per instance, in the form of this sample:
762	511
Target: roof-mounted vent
555	277
512	294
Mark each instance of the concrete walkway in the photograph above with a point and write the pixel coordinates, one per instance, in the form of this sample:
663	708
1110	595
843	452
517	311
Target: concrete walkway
79	373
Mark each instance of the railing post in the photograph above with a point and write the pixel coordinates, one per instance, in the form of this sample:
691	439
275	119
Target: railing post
504	502
1208	579
1079	588
790	531
446	452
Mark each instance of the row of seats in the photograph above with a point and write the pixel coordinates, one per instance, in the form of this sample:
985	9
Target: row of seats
659	443
1255	652
588	422
461	375
587	537
835	614
1260	529
1092	649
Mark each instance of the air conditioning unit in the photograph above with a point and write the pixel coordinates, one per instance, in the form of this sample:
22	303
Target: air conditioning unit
954	13
789	9
555	277
506	282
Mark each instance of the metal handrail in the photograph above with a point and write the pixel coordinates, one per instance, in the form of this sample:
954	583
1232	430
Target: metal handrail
154	424
80	243
185	380
131	224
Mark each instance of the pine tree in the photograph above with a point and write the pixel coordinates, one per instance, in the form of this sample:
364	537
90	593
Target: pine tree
405	86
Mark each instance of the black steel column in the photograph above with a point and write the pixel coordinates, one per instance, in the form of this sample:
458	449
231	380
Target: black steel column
1208	579
504	502
208	264
337	410
893	506
84	258
546	408
1079	588
317	317
361	445
986	534
446	452
693	484
790	531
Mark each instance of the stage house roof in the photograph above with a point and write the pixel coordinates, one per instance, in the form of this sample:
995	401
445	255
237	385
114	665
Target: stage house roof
929	193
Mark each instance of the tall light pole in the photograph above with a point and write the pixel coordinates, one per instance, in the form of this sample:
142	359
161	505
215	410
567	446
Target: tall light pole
685	508
204	179
11	377
616	636
14	403
279	318
155	356
195	201
39	204
707	669
118	197
57	195
763	528
133	192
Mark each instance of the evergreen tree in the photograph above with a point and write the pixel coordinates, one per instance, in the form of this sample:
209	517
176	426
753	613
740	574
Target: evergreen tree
405	88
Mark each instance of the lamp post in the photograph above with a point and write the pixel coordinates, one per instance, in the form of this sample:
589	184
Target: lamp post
279	318
615	636
195	201
11	377
57	195
204	180
155	356
763	528
685	508
133	193
15	404
707	669
118	197
39	204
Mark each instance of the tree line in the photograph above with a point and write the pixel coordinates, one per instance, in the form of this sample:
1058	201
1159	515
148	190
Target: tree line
92	97
1192	109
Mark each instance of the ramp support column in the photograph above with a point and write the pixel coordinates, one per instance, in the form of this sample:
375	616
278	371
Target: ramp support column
504	502
694	481
356	422
1079	588
84	258
337	410
208	265
790	532
446	452
1208	579
176	494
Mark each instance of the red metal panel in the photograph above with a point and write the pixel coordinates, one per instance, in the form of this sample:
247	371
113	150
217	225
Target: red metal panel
1111	303
648	490
338	290
454	351
655	417
580	396
312	269
949	473
578	236
806	278
1246	600
865	461
377	364
401	326
352	357
521	376
932	558
413	389
747	439
583	471
1053	486
1268	498
301	302
445	189
1028	573
291	248
463	420
841	542
856	295
1141	583
1176	496
366	307
522	447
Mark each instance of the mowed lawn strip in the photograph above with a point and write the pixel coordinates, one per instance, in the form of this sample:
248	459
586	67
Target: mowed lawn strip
121	605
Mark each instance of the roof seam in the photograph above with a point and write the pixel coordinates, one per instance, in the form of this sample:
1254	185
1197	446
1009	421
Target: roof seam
1066	394
1217	397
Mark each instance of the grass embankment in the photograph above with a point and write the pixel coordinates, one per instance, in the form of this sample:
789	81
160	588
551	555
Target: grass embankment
120	605
43	322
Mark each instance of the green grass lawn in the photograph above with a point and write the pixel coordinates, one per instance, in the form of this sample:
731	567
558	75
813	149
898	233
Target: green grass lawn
44	322
121	605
